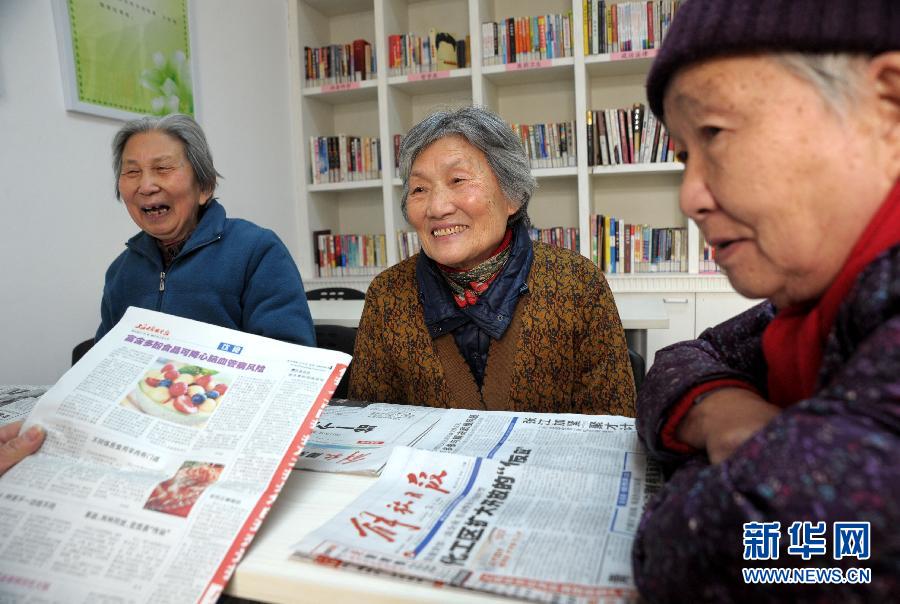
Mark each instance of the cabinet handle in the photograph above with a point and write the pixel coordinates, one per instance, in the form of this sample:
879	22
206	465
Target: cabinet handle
675	300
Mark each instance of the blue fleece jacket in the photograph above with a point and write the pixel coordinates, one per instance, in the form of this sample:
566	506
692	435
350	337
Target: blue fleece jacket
230	273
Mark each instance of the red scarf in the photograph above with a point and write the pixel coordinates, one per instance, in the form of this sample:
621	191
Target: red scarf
794	341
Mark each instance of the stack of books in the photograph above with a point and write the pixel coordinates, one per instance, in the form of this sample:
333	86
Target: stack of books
338	63
707	257
612	27
344	158
437	51
627	136
408	242
564	237
520	39
549	145
349	255
621	248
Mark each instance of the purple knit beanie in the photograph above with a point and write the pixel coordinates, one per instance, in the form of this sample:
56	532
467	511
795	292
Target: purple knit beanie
702	29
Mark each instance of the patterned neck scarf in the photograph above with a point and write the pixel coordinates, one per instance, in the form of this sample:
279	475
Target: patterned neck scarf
466	286
171	249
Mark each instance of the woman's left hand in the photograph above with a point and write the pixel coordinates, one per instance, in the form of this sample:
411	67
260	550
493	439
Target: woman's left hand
724	420
14	446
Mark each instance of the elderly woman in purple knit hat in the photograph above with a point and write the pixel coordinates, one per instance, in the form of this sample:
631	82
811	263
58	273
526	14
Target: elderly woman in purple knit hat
782	425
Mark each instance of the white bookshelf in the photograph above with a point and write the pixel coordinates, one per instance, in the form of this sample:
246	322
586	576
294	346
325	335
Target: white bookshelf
555	90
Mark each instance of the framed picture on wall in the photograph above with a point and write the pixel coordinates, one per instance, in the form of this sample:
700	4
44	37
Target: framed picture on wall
125	58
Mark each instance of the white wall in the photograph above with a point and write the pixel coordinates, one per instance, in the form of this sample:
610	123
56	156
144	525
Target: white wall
60	225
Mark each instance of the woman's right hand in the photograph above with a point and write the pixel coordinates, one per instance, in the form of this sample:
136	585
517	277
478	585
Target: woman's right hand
724	420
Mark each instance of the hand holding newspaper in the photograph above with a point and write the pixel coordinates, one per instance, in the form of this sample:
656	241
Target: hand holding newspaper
166	446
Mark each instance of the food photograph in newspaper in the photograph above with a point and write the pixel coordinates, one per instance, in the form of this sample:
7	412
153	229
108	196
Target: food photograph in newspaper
177	495
182	393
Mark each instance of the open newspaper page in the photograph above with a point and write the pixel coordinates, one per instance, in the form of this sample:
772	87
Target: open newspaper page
166	446
504	525
359	439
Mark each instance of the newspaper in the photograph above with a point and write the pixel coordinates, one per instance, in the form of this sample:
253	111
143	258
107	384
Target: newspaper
166	446
16	402
504	525
357	438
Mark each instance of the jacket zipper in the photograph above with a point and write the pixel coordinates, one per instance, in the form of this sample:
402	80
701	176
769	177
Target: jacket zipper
162	288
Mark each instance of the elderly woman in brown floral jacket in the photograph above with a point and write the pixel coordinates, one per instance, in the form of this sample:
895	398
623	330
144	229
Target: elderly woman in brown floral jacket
484	318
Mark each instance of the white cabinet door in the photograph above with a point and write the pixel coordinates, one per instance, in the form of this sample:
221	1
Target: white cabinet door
714	308
680	309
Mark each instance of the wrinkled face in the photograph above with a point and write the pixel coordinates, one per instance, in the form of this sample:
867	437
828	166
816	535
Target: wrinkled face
158	186
776	180
455	203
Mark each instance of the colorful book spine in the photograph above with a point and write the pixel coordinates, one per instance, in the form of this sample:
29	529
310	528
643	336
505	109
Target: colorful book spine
344	158
624	248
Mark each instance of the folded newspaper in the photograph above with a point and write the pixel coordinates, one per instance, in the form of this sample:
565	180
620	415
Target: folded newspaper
16	402
166	446
537	506
358	438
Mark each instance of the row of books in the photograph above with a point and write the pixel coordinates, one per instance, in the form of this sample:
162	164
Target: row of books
616	247
627	136
548	145
707	257
344	158
621	248
349	255
339	63
408	242
438	51
625	26
521	39
564	237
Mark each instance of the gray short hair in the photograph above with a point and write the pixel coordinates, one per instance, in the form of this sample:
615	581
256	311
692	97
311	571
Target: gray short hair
837	77
180	126
489	133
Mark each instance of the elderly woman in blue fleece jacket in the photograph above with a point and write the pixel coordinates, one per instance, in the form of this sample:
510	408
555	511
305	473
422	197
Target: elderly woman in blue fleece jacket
189	259
782	425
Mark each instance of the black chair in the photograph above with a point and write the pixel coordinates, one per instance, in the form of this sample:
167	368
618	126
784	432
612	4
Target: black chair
637	368
342	339
335	293
80	349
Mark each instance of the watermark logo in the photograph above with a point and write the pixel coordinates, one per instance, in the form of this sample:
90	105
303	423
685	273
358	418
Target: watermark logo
851	540
807	540
761	540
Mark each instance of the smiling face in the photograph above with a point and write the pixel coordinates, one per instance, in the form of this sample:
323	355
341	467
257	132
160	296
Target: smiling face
455	203
158	186
776	180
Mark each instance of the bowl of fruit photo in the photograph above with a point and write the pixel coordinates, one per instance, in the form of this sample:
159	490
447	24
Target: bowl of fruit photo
179	392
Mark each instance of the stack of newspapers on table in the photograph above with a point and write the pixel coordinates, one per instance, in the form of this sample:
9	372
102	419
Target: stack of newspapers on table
537	506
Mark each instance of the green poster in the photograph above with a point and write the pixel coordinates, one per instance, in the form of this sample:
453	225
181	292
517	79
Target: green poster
126	57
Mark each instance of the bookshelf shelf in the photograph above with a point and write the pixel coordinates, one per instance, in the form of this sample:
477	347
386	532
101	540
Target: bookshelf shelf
344	92
615	64
344	186
660	168
531	92
529	72
554	172
433	82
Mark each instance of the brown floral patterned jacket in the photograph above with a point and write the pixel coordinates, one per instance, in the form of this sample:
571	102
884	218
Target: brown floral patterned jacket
564	351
